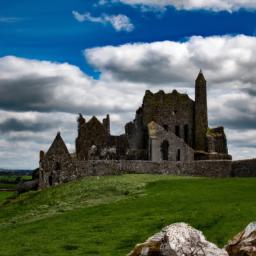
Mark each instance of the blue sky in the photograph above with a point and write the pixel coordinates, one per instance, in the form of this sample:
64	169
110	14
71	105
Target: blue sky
47	30
58	58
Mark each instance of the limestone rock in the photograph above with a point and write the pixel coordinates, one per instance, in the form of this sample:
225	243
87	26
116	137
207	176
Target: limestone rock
244	243
178	239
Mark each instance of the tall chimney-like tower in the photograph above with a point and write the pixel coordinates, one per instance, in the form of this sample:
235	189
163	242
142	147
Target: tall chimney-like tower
201	116
106	123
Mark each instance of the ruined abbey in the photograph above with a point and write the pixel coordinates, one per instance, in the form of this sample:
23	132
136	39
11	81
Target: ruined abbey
168	127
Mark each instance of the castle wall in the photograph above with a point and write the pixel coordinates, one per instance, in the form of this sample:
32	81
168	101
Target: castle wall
135	132
55	170
56	166
175	147
203	168
209	168
244	168
173	111
217	141
91	133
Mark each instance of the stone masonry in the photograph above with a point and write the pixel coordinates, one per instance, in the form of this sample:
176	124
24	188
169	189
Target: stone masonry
179	116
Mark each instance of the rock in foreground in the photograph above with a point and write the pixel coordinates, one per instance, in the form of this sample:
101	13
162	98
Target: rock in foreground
178	240
244	243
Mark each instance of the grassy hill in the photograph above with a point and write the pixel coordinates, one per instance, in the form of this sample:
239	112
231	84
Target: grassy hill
109	215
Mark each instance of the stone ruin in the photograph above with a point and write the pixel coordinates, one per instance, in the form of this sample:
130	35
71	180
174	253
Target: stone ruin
94	140
173	127
167	127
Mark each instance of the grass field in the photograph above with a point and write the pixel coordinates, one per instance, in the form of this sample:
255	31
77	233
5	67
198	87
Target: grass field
4	196
12	178
7	186
109	215
10	181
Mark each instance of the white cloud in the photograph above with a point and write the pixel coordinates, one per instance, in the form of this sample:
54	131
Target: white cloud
102	2
224	59
119	22
213	5
46	86
79	17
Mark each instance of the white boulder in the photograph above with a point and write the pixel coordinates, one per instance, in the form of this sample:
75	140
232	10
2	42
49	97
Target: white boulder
244	243
179	239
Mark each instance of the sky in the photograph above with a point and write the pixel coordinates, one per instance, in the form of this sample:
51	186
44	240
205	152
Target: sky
59	58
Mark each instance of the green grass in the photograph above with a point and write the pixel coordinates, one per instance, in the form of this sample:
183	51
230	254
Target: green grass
109	215
4	178
8	186
4	196
9	181
12	178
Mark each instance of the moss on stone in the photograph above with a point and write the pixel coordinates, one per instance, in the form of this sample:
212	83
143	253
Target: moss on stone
212	132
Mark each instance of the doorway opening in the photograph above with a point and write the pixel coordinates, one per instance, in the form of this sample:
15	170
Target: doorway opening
165	150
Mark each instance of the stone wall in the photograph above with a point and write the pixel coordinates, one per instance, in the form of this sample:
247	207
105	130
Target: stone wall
209	168
214	168
165	145
135	132
91	133
174	111
217	141
244	168
56	166
98	167
197	168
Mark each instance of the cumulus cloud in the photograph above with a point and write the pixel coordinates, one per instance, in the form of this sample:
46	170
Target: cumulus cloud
31	85
14	124
119	22
23	134
231	108
225	60
212	5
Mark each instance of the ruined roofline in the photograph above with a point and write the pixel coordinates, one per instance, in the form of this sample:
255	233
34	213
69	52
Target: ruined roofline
58	143
149	93
105	123
92	119
174	92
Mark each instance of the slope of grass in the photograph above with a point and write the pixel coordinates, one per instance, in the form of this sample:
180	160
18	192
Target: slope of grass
4	195
8	186
109	215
